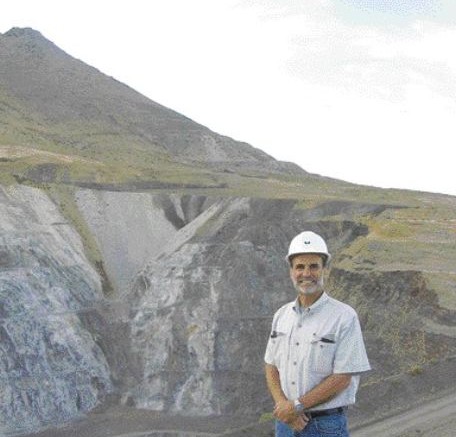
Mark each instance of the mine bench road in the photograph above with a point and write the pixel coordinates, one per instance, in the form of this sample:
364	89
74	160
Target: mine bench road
434	419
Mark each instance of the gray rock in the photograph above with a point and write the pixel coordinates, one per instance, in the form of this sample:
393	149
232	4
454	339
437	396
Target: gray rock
197	280
51	368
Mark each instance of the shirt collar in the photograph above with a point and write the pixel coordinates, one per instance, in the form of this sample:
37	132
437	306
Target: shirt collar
316	305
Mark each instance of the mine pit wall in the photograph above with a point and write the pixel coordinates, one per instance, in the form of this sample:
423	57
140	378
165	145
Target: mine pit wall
203	310
207	275
393	308
203	306
132	228
51	367
197	282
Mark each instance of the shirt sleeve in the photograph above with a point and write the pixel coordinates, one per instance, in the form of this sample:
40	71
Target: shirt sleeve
351	356
269	356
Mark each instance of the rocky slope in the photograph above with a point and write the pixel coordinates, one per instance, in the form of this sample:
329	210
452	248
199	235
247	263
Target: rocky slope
51	367
203	300
195	282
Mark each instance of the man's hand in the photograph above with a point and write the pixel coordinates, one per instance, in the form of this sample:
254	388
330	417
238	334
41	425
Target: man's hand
285	411
299	423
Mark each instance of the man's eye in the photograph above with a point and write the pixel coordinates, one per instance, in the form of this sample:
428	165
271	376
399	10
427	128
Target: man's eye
314	267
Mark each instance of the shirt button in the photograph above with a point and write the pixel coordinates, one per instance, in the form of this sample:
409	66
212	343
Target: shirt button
297	343
293	383
299	326
294	363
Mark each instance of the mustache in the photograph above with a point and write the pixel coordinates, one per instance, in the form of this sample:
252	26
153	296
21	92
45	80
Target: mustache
308	281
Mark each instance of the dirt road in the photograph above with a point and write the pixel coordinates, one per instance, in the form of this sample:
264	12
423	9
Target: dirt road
434	419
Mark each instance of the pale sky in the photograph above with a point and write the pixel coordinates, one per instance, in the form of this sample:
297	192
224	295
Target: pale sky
363	91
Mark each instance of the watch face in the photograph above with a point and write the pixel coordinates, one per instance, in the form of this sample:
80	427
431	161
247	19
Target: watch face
298	406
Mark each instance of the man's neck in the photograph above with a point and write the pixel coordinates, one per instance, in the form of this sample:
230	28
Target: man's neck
306	300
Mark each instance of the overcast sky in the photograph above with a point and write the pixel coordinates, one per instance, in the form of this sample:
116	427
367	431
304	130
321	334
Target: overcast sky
363	91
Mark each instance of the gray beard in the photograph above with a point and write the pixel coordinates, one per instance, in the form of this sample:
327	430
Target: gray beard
310	290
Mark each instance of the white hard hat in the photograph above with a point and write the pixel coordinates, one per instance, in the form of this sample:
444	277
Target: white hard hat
308	242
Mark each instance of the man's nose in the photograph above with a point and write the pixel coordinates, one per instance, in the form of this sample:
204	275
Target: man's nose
306	271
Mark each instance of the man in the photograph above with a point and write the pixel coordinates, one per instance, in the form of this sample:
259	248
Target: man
315	352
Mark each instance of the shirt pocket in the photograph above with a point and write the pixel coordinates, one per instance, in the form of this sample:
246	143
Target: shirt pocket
280	337
322	353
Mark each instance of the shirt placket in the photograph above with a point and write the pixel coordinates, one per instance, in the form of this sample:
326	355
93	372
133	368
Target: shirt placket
296	347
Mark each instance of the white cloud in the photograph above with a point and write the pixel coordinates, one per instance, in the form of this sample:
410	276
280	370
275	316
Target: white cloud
370	103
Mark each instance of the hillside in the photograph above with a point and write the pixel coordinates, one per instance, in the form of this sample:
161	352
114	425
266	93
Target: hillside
141	257
53	102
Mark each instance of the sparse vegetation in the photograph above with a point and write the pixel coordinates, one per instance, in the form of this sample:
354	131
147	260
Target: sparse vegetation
408	345
415	370
63	196
266	417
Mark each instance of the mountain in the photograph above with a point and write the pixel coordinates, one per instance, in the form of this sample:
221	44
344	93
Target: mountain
54	102
141	259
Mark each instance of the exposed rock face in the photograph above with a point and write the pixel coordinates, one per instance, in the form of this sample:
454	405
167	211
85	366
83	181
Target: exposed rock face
132	228
203	306
51	367
197	280
211	274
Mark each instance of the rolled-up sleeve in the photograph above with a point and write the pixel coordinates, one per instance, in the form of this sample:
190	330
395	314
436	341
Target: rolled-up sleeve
269	354
271	348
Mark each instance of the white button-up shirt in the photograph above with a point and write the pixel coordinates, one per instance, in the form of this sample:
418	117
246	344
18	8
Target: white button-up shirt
309	344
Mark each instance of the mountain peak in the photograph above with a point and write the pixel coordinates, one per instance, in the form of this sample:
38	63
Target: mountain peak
61	90
26	37
19	32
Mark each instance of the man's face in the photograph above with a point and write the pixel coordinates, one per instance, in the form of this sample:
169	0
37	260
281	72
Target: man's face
306	273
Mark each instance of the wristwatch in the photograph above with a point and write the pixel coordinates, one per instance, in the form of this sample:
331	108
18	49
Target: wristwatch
299	408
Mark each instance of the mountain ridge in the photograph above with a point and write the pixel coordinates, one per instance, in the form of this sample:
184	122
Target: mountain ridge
71	97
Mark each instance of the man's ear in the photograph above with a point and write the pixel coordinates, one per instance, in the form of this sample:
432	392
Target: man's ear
290	270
